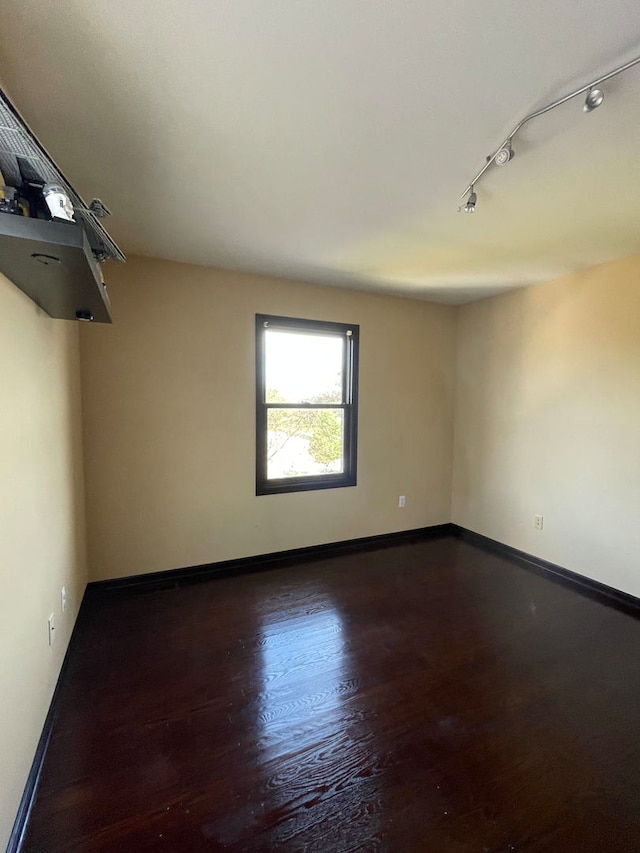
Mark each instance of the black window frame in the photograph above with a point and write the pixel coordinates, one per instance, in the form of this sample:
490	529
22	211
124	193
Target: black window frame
348	477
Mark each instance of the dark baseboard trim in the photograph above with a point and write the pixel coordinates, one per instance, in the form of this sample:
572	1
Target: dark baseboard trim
278	559
587	586
18	831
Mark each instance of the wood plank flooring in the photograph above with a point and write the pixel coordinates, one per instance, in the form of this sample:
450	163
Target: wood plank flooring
421	697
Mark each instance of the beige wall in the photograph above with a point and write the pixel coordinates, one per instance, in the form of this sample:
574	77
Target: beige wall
548	421
169	419
41	525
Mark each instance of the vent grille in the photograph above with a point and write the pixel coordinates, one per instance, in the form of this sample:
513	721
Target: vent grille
17	142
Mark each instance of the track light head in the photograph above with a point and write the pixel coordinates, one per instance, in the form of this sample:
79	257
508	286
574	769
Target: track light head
593	100
470	206
504	155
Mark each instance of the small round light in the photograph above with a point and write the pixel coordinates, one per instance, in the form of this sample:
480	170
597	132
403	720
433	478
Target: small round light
470	206
593	100
504	155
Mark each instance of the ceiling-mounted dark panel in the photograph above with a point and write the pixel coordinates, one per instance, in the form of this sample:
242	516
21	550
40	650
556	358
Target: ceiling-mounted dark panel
52	262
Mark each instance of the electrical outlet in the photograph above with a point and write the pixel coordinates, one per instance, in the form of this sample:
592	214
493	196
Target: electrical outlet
63	598
52	628
401	501
538	522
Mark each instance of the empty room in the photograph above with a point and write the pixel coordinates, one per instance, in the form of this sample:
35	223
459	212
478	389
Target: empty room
319	426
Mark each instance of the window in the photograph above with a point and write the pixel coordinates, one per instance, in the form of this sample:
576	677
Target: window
306	404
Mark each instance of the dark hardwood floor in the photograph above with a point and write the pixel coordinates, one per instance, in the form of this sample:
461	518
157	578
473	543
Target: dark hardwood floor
427	696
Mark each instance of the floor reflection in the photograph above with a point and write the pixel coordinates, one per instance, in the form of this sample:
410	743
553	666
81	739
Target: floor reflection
317	736
303	675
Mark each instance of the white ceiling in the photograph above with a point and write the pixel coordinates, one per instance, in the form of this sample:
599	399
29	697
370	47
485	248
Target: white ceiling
329	140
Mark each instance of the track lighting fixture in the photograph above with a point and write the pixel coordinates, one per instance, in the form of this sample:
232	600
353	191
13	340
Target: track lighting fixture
593	100
470	206
504	153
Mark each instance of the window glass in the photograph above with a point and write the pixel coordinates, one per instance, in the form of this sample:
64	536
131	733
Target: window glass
303	368
303	442
306	404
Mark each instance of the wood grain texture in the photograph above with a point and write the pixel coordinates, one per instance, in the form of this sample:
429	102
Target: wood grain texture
428	696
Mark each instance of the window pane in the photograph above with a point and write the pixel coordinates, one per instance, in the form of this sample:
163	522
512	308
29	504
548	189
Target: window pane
301	442
303	368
